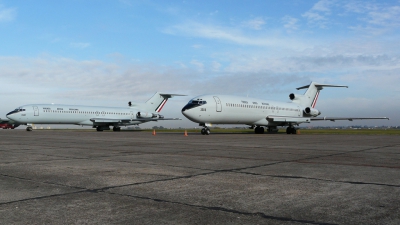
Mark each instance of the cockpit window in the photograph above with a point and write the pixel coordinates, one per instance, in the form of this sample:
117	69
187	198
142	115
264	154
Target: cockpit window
197	102
16	111
193	104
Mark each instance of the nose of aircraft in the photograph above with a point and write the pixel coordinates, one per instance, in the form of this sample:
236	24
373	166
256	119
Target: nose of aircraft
186	107
13	114
186	110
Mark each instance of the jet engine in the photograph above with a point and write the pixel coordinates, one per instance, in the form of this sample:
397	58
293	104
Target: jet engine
146	115
292	96
311	111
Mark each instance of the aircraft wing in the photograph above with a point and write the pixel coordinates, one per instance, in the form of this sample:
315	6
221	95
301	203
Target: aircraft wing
347	118
127	120
288	119
309	119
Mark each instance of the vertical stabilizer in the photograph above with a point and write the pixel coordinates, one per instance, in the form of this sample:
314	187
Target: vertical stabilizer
309	99
157	102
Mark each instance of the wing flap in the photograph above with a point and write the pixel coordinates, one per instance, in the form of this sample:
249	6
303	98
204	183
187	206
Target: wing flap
105	120
288	119
347	118
127	120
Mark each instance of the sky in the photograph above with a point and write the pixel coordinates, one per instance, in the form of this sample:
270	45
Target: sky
109	52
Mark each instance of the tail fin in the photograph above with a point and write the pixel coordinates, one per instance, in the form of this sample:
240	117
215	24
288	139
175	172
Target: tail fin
157	102
309	99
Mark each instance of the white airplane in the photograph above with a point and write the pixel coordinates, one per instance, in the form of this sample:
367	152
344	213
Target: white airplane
98	117
258	113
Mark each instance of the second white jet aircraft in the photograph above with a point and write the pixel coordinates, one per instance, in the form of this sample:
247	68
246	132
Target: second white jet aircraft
259	113
99	117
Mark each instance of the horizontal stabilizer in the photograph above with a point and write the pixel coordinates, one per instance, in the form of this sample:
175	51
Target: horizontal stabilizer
170	95
320	86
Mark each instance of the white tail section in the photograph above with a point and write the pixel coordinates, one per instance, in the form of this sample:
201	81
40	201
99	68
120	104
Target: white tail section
157	102
309	99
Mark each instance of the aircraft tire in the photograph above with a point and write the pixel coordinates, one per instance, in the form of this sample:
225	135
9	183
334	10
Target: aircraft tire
207	131
259	130
291	130
203	131
29	129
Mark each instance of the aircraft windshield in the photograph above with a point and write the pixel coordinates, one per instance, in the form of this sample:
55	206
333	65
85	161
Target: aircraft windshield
16	111
198	102
194	104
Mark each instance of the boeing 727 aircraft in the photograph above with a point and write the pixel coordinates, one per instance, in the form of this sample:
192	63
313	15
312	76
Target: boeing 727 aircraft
98	117
258	113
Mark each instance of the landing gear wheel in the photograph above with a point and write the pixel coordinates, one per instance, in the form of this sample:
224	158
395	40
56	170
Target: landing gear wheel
116	128
291	130
259	130
205	131
29	129
99	129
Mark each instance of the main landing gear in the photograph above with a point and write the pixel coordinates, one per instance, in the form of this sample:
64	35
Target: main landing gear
291	130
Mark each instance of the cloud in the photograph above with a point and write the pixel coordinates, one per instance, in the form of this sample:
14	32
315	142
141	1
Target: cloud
318	14
290	23
233	35
7	14
81	45
378	18
216	66
198	65
92	79
255	24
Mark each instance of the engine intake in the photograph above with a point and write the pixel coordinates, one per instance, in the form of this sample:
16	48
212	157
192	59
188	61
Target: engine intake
292	96
311	111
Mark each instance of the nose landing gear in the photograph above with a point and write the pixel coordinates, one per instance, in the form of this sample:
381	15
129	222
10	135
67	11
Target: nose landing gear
205	131
259	130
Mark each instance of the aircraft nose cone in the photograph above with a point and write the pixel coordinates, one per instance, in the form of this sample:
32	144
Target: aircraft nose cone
10	114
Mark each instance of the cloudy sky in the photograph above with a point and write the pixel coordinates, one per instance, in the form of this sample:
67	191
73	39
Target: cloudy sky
90	52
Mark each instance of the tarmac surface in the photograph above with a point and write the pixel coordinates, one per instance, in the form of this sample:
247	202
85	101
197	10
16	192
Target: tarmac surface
89	177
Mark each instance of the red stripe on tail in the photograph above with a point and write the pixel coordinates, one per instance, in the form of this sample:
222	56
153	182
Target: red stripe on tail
315	100
161	105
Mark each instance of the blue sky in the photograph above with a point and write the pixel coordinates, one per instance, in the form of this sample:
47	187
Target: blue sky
111	52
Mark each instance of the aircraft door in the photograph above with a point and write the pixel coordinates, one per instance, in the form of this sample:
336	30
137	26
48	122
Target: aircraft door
36	111
132	115
218	102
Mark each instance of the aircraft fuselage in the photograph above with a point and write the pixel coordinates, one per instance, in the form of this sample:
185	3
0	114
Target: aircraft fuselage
70	114
225	109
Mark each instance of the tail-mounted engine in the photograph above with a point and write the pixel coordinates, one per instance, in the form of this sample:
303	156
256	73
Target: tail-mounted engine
311	111
292	96
147	115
